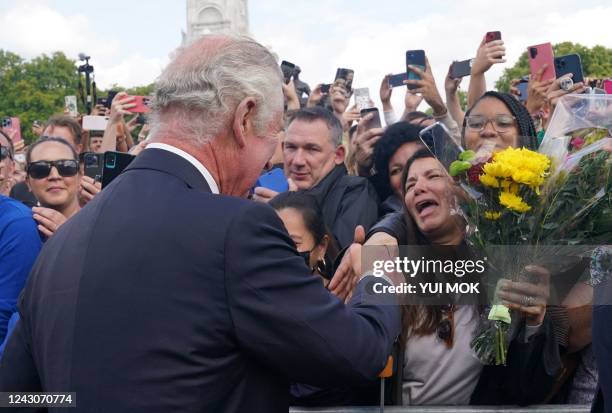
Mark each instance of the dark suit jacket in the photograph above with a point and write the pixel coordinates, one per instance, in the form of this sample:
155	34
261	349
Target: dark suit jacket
162	297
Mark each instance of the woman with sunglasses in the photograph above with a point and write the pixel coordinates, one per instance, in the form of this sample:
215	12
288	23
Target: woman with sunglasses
53	177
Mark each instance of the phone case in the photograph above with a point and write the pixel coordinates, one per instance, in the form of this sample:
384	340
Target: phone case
490	36
398	80
607	85
362	98
274	179
344	77
522	88
142	104
93	165
375	121
538	56
461	69
14	129
114	164
414	58
569	64
287	68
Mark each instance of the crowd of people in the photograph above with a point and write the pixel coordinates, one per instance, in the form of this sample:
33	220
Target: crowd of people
178	288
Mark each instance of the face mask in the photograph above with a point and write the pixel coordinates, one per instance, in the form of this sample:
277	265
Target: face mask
306	256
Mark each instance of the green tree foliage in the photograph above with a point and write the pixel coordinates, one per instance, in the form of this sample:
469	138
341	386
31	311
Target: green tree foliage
35	89
596	63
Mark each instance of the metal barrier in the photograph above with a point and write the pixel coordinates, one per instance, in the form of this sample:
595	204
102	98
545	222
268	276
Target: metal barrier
559	408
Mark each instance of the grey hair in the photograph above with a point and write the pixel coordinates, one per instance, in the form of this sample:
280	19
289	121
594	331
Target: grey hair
319	113
201	87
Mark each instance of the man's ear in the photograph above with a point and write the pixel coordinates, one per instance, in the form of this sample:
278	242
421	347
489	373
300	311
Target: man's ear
339	155
243	125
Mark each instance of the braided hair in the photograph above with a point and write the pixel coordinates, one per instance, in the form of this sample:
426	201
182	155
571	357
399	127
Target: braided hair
526	129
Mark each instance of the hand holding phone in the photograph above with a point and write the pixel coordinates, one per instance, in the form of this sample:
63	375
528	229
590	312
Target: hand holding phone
288	70
398	80
492	36
541	55
461	69
371	118
414	59
488	54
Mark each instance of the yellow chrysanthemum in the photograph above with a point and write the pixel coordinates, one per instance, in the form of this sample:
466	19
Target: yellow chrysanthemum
513	202
488	180
492	215
497	170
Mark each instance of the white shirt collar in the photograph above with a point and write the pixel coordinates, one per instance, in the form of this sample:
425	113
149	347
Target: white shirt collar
198	165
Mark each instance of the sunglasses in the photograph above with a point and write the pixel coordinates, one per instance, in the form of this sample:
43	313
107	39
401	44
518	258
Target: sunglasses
4	153
447	325
42	169
501	123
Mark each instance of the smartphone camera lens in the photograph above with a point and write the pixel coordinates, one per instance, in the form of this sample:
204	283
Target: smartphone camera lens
111	161
533	52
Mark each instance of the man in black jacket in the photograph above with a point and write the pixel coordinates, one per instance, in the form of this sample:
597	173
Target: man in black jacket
314	161
214	311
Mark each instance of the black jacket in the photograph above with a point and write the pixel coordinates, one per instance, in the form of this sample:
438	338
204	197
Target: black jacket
346	201
159	296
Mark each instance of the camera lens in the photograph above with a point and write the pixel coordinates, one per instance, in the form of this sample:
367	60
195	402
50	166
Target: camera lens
533	52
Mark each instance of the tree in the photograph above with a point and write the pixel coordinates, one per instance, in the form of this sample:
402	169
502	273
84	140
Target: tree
35	90
596	63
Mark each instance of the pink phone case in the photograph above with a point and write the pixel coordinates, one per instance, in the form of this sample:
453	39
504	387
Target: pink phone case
540	55
607	85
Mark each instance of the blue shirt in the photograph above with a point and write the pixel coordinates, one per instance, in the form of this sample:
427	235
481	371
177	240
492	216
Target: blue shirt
19	247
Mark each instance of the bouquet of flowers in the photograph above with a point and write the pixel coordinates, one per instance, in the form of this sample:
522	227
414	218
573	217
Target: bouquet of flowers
561	195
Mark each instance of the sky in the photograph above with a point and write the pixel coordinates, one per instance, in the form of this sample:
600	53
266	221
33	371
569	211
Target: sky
130	41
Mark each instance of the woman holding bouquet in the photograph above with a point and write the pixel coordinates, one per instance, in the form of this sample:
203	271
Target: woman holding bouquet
440	366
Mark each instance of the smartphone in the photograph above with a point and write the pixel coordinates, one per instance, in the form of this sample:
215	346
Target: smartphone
522	88
438	140
141	119
12	126
110	97
325	88
344	77
461	69
540	55
94	122
490	36
607	85
375	121
398	80
362	98
569	64
70	105
101	101
274	179
414	58
114	163
92	163
288	69
142	104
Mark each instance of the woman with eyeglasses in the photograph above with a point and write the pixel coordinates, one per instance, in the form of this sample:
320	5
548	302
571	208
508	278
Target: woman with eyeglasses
53	177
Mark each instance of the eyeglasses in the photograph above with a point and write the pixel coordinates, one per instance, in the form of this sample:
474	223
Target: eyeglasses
42	169
446	327
501	123
4	153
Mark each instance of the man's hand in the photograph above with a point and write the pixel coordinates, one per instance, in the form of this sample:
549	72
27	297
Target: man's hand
537	90
315	96
450	83
364	142
89	189
49	220
530	297
554	92
350	116
426	86
132	123
487	55
349	271
263	195
119	107
293	101
385	94
411	101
